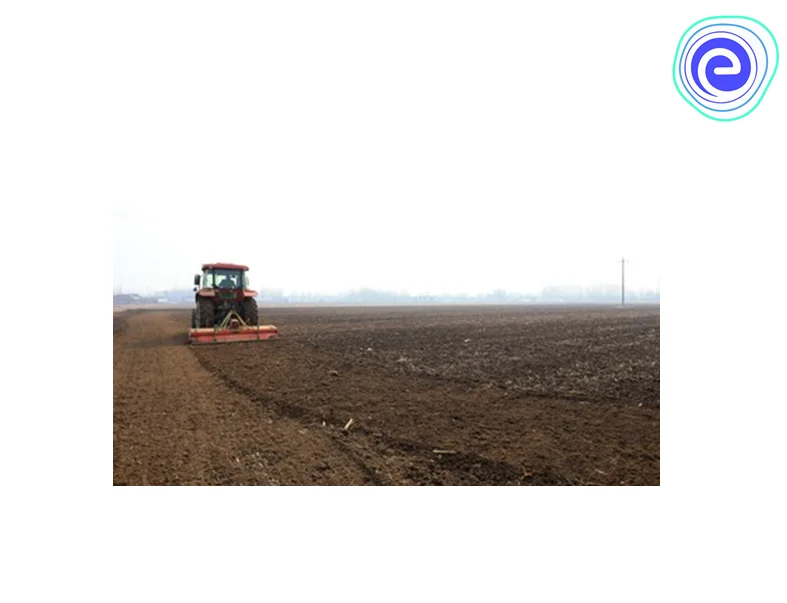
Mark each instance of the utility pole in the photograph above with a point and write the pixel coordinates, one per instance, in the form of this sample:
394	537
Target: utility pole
623	281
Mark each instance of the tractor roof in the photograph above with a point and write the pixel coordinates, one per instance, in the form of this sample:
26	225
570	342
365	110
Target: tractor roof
224	266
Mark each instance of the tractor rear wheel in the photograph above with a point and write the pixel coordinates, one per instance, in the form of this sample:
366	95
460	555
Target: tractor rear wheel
205	312
194	319
250	315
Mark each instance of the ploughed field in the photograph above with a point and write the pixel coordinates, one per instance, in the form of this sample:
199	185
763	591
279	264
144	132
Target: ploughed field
502	395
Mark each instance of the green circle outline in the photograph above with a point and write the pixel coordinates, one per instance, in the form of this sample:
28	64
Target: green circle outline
762	96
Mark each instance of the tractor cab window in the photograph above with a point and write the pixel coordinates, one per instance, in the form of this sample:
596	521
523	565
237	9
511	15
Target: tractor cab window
207	279
226	279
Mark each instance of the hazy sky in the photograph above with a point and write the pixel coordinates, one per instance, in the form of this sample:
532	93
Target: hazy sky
441	149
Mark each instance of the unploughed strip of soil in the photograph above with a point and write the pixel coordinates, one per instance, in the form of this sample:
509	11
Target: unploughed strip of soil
177	424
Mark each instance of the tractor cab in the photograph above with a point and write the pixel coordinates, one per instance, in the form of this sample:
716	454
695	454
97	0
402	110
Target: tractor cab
217	277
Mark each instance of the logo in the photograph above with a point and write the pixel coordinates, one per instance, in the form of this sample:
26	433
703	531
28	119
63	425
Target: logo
724	65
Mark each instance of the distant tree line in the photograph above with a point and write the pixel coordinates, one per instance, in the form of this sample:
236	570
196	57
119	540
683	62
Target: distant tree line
367	296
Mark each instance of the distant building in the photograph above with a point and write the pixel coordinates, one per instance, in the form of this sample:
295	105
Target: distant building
125	299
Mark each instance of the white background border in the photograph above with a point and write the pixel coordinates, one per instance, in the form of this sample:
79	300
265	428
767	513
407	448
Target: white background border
713	531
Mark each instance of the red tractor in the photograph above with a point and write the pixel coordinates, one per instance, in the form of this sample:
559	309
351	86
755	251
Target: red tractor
226	309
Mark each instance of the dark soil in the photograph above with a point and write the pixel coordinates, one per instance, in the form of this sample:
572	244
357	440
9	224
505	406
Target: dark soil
455	396
118	324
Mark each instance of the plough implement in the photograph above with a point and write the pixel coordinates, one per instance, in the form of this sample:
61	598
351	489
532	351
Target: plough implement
232	328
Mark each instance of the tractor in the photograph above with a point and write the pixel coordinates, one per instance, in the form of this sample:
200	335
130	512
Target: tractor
225	308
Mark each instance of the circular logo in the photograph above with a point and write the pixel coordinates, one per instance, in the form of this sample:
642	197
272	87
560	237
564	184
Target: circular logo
724	65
